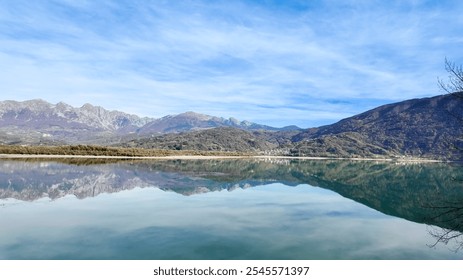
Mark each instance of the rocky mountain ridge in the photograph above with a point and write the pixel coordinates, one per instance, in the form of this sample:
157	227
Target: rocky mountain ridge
23	113
425	128
190	121
39	122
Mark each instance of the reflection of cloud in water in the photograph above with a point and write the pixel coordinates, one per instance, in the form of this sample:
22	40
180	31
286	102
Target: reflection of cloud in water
152	224
339	214
263	218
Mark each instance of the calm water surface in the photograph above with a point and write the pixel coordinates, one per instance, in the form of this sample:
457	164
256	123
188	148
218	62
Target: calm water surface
230	209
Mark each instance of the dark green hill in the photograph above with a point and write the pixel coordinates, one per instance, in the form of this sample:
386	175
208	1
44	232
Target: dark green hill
427	127
214	139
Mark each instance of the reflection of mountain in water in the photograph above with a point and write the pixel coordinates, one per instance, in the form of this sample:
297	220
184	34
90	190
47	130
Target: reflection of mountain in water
417	192
30	181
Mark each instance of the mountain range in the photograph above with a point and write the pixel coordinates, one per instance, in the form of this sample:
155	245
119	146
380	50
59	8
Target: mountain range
39	122
427	127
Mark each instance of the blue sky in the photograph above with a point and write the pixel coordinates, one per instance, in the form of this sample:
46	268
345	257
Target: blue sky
279	63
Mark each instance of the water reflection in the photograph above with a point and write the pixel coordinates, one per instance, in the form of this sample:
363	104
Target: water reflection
450	215
423	193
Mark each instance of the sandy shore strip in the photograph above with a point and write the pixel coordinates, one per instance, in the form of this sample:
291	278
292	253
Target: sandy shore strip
196	157
401	159
7	156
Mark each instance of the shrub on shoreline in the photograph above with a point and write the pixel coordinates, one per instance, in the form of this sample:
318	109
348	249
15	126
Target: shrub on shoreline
91	150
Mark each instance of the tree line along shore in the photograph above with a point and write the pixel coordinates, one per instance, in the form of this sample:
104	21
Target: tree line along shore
93	150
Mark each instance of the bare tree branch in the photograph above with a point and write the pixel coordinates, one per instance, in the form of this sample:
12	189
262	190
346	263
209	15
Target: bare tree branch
455	78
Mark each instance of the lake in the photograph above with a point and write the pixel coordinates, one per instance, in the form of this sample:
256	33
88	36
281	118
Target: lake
230	209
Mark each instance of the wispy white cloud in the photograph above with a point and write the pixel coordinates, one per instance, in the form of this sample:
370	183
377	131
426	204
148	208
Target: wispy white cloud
239	59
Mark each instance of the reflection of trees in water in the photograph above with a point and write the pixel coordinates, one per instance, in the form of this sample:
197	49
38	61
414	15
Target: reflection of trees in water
417	192
445	236
450	213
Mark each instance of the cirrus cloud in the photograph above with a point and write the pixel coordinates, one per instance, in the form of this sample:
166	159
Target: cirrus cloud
278	63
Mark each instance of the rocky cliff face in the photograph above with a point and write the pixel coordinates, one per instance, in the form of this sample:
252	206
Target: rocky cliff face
37	121
40	114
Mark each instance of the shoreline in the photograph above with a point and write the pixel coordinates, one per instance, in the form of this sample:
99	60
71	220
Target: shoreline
8	156
199	157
